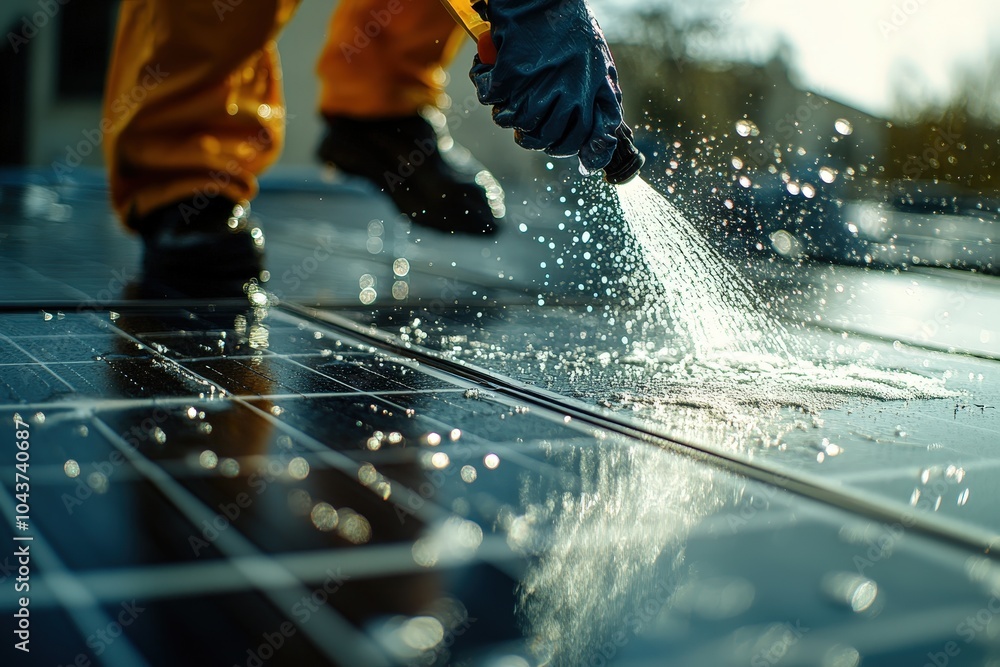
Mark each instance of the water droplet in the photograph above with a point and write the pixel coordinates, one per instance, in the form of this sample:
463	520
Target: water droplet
208	459
353	527
843	126
324	517
229	467
746	128
298	468
98	482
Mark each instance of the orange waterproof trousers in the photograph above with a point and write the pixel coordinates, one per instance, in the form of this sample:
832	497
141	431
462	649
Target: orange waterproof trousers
193	102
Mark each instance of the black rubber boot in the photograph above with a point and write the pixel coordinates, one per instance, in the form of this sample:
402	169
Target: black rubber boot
431	179
201	247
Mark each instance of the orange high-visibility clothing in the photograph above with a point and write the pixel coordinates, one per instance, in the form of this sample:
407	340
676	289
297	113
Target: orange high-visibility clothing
193	103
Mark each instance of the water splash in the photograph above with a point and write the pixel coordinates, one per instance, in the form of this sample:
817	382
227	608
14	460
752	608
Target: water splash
710	302
740	355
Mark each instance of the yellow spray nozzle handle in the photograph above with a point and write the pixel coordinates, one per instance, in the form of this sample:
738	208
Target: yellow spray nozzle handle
467	17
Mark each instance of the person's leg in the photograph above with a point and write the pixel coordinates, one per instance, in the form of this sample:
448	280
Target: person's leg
385	58
193	111
193	103
382	67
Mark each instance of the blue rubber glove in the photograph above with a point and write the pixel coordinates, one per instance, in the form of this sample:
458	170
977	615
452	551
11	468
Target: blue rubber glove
554	80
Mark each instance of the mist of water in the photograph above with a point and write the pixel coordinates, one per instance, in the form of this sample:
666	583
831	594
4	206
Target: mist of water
713	306
737	345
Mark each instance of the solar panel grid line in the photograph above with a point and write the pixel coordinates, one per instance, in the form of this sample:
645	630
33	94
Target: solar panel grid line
37	361
85	405
91	404
509	452
416	504
339	639
910	627
178	580
423	510
974	427
41	363
41	277
855	501
76	599
911	472
389	393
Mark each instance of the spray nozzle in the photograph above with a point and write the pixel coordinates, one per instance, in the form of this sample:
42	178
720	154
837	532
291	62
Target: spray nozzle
626	161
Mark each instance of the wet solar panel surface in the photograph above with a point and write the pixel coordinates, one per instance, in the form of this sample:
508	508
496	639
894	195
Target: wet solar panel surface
458	478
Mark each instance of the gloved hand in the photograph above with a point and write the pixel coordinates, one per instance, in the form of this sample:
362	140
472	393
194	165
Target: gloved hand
554	80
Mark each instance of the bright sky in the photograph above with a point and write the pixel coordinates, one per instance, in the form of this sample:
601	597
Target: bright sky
861	51
856	50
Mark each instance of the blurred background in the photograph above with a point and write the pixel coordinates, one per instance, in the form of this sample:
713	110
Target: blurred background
863	133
